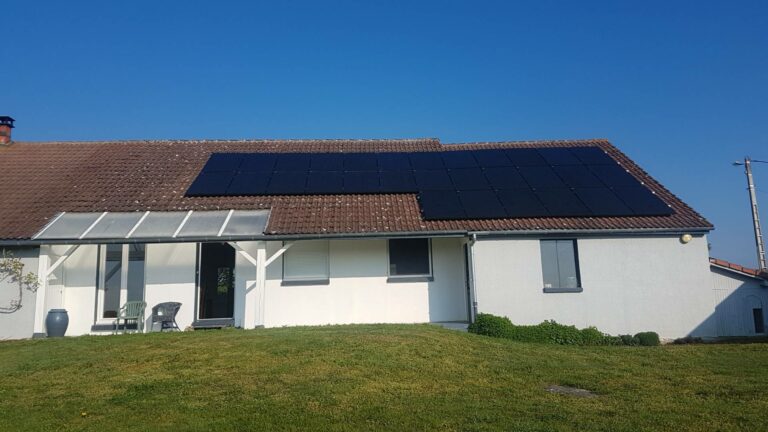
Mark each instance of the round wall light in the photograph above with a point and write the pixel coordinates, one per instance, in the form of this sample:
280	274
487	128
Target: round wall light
686	238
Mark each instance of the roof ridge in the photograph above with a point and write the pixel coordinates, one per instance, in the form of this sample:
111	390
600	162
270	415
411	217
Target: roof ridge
543	141
236	141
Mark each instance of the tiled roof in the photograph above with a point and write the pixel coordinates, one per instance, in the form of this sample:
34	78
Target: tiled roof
38	180
738	268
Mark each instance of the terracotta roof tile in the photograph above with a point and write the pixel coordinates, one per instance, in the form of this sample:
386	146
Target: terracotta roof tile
738	268
38	180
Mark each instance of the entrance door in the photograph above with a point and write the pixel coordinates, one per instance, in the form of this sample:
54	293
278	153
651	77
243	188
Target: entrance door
217	281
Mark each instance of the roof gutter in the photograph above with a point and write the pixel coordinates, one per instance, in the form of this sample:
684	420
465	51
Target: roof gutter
342	236
256	237
593	232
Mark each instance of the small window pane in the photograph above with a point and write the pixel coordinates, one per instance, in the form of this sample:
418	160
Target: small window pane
559	264
409	257
549	264
112	275
136	254
306	260
566	261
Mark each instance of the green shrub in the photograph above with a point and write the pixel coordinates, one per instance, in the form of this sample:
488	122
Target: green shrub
491	325
648	338
629	340
593	336
554	333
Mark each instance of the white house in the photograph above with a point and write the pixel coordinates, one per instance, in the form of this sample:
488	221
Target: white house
308	232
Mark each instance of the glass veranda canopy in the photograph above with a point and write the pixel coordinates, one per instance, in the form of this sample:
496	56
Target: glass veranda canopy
154	226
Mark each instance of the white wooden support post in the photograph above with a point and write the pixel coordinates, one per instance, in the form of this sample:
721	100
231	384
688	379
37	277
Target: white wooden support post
277	254
252	296
61	260
261	283
38	329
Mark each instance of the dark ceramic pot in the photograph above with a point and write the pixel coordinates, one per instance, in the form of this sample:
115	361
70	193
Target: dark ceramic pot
56	322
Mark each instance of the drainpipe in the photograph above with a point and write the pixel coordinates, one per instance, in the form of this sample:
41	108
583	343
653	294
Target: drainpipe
473	291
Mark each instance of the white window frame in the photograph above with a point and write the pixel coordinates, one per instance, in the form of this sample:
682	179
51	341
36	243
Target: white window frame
414	277
102	266
577	262
307	280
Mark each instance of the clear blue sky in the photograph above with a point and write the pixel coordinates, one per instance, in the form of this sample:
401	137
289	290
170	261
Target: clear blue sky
679	86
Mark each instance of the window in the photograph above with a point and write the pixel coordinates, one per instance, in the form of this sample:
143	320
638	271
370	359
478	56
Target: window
306	262
410	259
122	279
757	317
560	266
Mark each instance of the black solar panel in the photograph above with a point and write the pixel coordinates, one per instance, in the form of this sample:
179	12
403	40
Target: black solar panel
577	176
325	182
468	179
433	180
603	202
211	183
559	156
504	178
492	158
521	202
562	202
363	182
592	156
642	201
250	183
287	183
614	175
258	162
393	161
426	161
525	157
541	177
223	162
292	162
360	162
474	184
326	162
459	159
439	204
481	204
397	181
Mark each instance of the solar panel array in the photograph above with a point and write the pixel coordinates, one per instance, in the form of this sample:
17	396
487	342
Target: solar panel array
465	184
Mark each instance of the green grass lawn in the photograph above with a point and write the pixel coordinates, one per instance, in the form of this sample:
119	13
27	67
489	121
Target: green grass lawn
373	377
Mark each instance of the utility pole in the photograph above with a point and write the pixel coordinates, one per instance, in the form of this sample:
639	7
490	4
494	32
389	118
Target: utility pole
755	216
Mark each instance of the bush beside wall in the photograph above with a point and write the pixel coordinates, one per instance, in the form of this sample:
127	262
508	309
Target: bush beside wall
554	333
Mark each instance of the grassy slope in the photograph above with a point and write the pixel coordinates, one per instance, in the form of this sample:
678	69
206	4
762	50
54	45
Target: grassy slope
373	377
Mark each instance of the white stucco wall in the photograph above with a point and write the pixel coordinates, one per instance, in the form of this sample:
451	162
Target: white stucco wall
358	291
630	284
75	283
733	297
18	324
170	277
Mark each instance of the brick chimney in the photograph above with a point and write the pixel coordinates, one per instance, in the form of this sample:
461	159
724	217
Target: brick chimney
6	124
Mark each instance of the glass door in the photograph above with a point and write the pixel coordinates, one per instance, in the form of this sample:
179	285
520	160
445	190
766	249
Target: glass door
217	281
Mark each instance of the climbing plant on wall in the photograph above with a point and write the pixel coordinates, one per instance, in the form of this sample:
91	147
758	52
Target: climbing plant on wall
12	274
